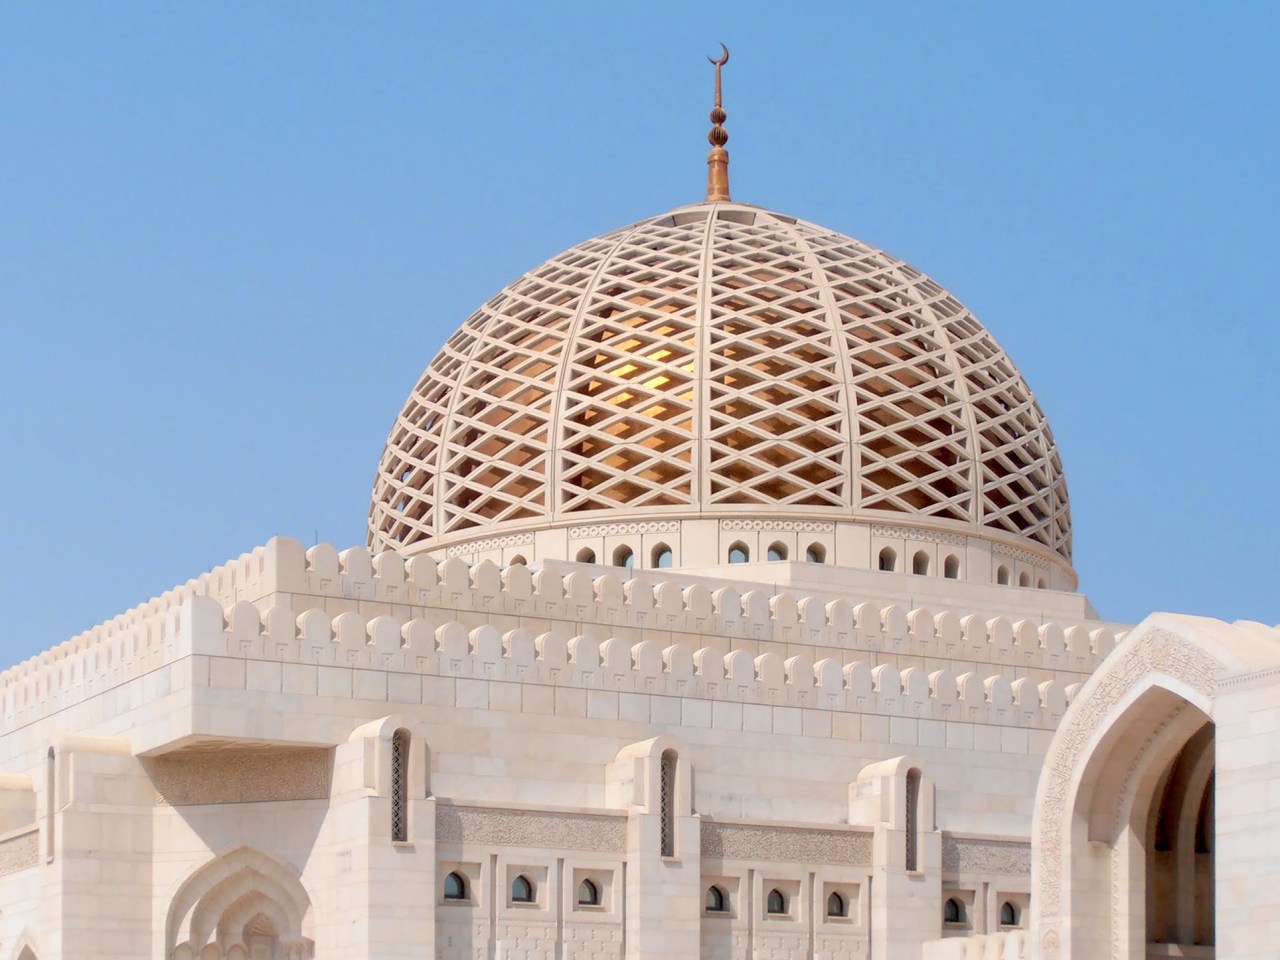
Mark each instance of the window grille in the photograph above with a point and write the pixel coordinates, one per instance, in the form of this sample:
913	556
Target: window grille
400	785
50	804
911	821
667	811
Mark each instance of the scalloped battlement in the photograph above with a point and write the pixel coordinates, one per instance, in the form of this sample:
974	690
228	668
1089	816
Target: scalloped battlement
448	648
279	599
146	627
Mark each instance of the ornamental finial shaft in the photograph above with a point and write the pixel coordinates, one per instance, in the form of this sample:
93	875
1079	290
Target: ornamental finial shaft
718	158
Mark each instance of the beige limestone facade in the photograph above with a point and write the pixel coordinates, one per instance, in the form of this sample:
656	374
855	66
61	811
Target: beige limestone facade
718	603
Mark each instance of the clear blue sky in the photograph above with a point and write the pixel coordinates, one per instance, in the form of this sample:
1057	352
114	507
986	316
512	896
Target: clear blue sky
232	235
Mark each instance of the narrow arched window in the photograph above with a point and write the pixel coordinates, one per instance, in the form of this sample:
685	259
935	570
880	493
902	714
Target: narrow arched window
1040	584
586	555
738	553
951	567
518	559
1002	576
911	822
588	894
836	906
775	903
1024	579
623	557
888	559
815	553
716	901
400	785
667	802
777	552
953	911
50	804
920	563
521	890
1008	915
455	887
662	556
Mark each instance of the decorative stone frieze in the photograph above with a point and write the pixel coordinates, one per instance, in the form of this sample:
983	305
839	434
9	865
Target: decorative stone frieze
917	533
780	526
971	855
1014	553
600	833
621	529
744	841
19	850
492	543
241	776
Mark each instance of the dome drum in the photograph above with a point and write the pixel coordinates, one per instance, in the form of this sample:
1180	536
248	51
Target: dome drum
702	543
724	363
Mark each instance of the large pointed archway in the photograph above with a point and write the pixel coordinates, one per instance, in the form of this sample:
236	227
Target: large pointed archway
1126	841
243	904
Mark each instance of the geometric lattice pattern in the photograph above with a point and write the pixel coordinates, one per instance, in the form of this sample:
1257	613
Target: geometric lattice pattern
400	785
667	804
724	360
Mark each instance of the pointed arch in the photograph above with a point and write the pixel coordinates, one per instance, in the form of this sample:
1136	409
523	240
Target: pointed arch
242	894
1103	778
26	948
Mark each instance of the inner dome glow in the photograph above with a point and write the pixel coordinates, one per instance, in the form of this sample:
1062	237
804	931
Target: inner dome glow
722	361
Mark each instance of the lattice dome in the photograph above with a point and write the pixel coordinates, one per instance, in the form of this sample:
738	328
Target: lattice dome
721	360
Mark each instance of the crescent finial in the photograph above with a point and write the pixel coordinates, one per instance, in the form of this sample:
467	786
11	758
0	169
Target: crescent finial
718	159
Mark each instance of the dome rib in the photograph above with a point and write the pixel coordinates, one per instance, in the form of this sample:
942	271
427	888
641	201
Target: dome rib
954	367
852	493
702	400
562	370
442	450
721	361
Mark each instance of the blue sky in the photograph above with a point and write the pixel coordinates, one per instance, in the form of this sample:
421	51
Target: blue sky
232	235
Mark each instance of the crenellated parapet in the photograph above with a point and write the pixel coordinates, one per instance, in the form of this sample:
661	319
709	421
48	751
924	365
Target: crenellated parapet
649	631
666	601
448	648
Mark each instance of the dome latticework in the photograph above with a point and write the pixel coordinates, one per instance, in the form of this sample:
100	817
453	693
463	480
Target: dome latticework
720	360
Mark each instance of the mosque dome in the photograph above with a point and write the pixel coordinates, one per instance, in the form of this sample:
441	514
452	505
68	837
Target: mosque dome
725	368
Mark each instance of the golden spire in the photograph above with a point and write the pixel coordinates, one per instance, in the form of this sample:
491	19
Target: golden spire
718	158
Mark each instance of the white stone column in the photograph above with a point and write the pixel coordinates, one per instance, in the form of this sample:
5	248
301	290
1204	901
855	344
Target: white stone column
97	878
388	886
663	894
1246	845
